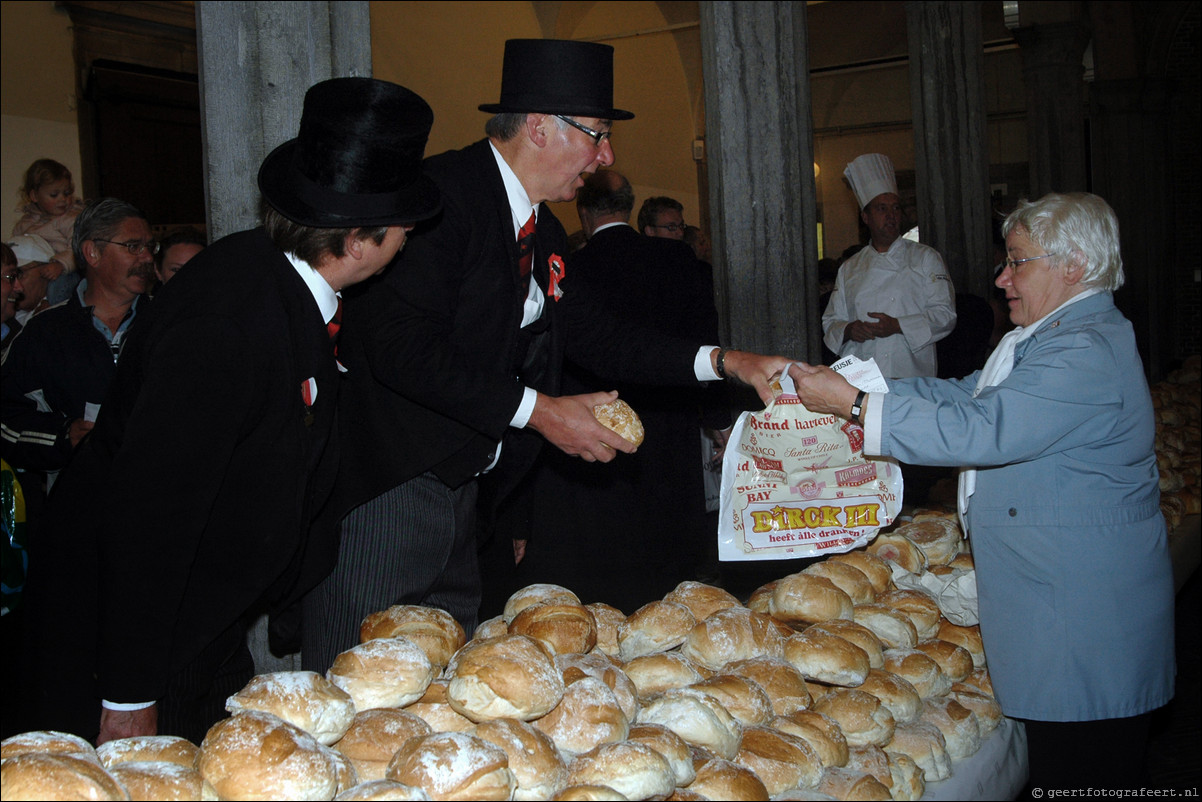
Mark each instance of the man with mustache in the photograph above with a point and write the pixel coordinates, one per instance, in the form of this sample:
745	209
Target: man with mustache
57	372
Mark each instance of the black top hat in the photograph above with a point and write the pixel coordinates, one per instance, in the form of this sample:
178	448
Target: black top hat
557	76
357	160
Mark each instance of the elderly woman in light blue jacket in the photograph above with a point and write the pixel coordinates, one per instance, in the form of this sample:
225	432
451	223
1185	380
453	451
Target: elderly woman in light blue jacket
1060	495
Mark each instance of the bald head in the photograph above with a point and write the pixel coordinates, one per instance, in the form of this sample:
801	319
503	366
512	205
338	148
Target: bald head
606	197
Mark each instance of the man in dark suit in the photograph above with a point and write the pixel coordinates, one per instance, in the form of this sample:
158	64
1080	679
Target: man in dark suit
455	356
645	528
189	506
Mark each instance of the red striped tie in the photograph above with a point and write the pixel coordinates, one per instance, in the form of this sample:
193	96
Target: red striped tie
334	325
526	247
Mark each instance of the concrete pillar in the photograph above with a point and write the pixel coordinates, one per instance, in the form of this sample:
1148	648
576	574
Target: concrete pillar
256	61
761	184
1129	135
1053	73
947	94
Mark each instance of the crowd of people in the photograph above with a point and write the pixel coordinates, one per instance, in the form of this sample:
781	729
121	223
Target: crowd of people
408	371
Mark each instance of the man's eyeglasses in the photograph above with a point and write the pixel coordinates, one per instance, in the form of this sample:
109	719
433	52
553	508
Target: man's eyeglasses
136	247
597	136
1012	263
673	227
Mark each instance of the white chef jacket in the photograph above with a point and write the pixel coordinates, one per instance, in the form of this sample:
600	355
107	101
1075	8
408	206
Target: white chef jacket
909	282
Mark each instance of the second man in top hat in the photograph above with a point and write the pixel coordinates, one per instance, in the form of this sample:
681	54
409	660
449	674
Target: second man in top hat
454	357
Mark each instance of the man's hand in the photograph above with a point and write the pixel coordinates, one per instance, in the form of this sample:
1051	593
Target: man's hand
755	370
51	270
116	724
822	390
886	325
860	331
77	429
568	424
519	551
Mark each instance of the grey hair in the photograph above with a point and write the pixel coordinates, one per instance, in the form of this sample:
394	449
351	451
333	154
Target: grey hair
1078	228
100	219
506	126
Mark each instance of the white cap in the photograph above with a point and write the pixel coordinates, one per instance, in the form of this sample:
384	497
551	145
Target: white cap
30	248
871	175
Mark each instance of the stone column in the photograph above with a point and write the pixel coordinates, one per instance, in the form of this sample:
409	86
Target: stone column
256	61
947	94
1053	74
761	184
1129	135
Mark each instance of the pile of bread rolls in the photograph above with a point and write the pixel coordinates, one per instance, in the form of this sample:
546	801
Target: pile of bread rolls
831	681
1179	442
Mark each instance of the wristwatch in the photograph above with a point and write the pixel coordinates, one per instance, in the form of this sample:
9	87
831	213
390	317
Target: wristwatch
857	407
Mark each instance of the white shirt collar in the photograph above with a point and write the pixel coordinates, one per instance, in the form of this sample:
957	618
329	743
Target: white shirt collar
323	293
599	229
520	206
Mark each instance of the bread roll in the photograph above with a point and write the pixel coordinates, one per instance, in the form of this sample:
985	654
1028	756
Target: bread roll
589	793
375	736
979	681
920	607
344	769
150	780
986	708
435	710
895	693
255	755
893	627
56	775
849	784
959	725
743	698
955	661
871	760
807	599
373	790
435	631
858	634
536	764
493	627
148	748
760	599
701	599
588	715
781	761
899	550
963	561
454	765
653	674
734	633
385	672
861	716
879	574
617	416
507	677
819	731
654	627
573	667
919	670
724	779
562	628
697	718
827	658
968	637
780	679
634	770
608	619
673	748
539	593
304	698
938	538
925	745
908	779
47	742
847	578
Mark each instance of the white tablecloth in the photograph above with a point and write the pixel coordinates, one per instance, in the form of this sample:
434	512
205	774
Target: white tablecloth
997	771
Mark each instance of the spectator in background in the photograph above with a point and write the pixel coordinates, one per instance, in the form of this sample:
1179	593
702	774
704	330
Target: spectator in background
175	250
11	292
662	217
33	258
696	239
49	208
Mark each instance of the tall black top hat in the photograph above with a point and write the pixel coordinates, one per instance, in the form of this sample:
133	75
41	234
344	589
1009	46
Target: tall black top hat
357	160
557	76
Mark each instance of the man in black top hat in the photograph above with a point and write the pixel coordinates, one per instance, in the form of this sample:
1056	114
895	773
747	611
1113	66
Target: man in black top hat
455	354
189	507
